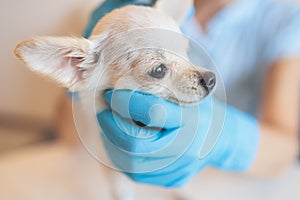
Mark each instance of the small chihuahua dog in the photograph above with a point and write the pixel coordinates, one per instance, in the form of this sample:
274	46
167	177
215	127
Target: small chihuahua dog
134	47
130	48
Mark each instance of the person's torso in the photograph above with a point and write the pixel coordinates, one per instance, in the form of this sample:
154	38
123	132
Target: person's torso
237	40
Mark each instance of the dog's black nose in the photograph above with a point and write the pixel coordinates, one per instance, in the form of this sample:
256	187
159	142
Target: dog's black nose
207	80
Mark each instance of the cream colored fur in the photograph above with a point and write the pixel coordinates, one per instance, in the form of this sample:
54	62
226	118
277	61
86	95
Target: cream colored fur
125	46
115	50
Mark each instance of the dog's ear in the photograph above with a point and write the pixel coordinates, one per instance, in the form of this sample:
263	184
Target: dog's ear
64	59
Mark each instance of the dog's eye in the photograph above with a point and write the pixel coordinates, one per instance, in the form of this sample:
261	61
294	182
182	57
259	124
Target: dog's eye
158	72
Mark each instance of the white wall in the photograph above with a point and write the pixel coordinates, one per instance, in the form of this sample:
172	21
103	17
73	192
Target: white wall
23	93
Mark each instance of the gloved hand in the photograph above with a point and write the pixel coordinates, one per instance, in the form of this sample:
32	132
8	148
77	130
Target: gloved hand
177	142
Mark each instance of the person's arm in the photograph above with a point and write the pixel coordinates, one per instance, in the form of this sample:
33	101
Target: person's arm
279	119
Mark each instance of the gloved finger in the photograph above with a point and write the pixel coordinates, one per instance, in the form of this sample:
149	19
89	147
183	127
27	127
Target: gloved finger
148	109
131	137
174	179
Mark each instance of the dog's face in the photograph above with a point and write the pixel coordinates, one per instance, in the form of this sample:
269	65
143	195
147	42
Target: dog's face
164	74
130	48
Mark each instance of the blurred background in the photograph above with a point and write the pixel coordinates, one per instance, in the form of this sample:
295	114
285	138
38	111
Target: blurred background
40	154
37	135
30	104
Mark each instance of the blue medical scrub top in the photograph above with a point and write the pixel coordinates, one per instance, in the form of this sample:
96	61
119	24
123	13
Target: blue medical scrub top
243	40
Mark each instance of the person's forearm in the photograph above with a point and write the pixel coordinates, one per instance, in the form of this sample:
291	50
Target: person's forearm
279	118
277	150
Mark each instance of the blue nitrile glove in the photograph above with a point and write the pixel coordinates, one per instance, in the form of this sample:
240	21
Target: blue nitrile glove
191	138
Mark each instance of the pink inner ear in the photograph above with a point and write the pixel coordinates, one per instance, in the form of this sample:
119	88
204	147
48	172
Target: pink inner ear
63	59
73	70
75	61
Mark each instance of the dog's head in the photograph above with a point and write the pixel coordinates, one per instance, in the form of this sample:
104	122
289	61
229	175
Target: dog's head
134	47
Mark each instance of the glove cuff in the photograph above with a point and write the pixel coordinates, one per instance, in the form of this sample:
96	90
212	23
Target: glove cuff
237	146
